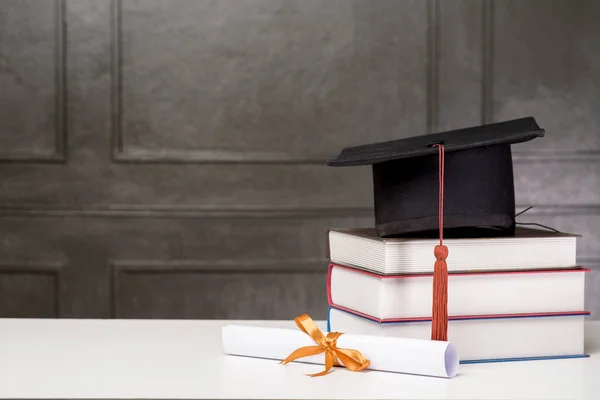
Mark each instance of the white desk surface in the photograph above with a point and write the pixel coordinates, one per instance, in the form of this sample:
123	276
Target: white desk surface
57	358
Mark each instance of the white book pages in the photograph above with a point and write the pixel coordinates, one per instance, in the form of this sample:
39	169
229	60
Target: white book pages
392	354
388	298
527	249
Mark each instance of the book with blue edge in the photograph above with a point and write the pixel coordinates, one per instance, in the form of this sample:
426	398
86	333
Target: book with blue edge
484	339
499	292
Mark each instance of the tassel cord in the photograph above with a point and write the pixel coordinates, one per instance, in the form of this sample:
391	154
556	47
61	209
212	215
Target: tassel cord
439	324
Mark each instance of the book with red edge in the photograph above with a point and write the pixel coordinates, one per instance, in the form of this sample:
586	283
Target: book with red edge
389	298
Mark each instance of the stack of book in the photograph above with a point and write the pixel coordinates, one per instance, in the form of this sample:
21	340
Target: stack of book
518	297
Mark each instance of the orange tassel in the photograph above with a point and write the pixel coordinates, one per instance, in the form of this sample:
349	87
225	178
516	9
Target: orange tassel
439	323
439	312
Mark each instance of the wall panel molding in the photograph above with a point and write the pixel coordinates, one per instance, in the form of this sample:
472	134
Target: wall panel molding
44	268
121	154
119	268
178	211
59	153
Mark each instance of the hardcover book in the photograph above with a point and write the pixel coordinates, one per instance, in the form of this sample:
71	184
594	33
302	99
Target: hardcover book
386	298
526	249
479	339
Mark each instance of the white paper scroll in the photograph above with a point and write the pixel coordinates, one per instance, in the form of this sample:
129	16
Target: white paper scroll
392	354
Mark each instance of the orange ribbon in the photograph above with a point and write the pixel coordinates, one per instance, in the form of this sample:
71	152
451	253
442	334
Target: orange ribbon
351	359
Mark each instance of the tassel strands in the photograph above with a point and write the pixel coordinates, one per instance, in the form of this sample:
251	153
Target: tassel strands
439	323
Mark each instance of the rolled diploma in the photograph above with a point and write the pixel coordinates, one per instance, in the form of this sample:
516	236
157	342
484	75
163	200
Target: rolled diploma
392	354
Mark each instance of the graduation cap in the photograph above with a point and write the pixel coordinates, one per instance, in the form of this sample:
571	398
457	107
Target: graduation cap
450	183
478	188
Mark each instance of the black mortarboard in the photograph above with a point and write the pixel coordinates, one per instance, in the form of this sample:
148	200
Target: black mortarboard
478	187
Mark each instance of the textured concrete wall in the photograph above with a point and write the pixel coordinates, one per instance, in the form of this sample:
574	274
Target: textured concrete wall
166	158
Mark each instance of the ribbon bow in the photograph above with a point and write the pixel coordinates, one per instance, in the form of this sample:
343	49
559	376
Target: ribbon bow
351	359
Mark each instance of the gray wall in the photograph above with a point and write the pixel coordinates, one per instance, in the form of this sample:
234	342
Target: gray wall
166	158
